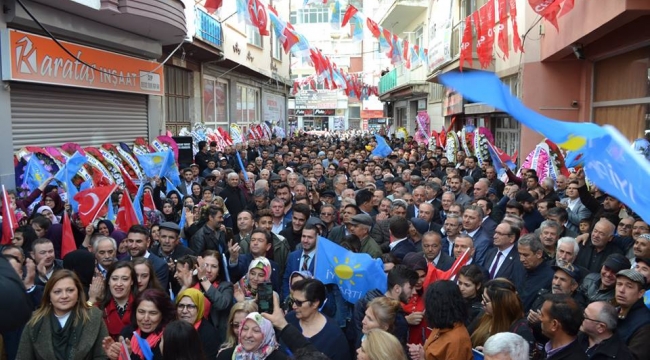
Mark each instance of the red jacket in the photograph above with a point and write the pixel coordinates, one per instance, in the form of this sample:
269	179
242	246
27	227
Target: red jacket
114	323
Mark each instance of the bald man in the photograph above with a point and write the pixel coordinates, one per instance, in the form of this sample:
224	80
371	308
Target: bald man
599	247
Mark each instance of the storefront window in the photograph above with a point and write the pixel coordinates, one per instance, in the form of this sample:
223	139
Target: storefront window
248	99
215	103
622	92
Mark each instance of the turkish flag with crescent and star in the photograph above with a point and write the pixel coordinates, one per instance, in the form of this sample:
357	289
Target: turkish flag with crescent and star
258	16
91	202
67	237
126	216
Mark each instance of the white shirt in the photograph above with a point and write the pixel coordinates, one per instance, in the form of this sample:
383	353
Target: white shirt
504	254
63	319
277	228
394	243
435	261
471	234
572	203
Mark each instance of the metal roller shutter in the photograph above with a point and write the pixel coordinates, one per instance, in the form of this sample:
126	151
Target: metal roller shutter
53	115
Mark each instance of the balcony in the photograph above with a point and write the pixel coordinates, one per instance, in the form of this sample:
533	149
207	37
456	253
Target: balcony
396	15
401	77
208	28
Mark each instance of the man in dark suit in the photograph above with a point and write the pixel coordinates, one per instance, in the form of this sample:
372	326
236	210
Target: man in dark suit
301	259
419	197
472	168
503	259
138	241
261	242
400	244
489	225
472	219
427	213
432	251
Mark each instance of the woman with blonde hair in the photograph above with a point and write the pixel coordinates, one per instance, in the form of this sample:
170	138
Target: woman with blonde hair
380	314
378	344
63	326
238	313
502	312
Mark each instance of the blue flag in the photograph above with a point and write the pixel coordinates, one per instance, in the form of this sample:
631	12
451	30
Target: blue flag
144	346
35	173
609	160
181	225
153	163
111	211
137	202
382	148
241	165
70	169
354	273
170	169
170	188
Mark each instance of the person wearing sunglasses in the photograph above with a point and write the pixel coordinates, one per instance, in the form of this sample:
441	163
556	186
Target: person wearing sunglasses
190	305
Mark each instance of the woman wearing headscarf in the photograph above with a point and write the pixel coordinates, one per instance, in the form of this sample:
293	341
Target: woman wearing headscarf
190	305
48	213
256	341
53	200
259	271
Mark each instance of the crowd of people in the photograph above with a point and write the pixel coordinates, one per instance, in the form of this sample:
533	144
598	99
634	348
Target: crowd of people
557	270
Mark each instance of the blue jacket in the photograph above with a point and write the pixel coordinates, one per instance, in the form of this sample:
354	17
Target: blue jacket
293	264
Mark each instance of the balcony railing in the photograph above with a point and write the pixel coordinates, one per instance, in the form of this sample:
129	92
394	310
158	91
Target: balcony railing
401	76
208	28
388	82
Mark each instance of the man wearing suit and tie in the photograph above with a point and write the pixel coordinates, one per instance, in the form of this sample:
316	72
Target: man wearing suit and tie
472	219
503	259
185	188
413	210
301	259
472	169
400	244
432	249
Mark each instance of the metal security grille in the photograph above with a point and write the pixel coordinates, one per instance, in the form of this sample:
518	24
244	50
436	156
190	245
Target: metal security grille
51	116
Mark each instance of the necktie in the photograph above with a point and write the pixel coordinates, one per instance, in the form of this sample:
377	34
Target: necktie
493	270
305	262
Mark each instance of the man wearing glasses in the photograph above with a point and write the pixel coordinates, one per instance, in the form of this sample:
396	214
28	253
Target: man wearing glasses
597	335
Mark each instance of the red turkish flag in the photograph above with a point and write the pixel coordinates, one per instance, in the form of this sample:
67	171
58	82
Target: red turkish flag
126	216
91	202
259	17
466	45
516	39
434	274
503	29
373	27
129	185
349	13
548	9
9	222
67	237
213	5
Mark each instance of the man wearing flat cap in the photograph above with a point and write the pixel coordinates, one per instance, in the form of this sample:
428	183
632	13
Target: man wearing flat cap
633	317
360	226
170	246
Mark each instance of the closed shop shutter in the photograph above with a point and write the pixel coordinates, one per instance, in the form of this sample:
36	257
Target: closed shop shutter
52	115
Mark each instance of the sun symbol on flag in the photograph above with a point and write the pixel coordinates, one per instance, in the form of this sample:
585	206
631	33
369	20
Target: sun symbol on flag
345	271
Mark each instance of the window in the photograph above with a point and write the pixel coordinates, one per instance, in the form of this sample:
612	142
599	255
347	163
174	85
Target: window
277	48
215	103
293	17
312	15
248	110
419	37
468	7
253	35
177	95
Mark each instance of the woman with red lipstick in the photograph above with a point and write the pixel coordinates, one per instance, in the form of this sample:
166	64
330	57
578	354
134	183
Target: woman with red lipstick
119	291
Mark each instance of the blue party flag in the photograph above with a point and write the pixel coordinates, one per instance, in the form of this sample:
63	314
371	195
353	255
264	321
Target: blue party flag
153	163
382	148
181	225
609	160
137	202
35	173
354	273
72	166
144	346
241	165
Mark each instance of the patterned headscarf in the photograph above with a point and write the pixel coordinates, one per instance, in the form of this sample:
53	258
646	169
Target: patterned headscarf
197	298
257	263
266	348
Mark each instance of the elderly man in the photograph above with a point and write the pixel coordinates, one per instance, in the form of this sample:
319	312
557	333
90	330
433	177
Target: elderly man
549	233
538	272
360	226
597	333
105	250
506	346
432	251
472	221
593	254
503	259
234	197
452	228
600	286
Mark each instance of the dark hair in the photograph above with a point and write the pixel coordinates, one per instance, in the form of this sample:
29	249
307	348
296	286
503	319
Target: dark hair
154	283
162	302
302	209
399	227
356	208
516	205
138	229
314	290
192	262
566	311
182	342
561	213
264	213
29	235
400	275
308	353
389	258
363	196
43	222
134	281
217	255
474	273
351	242
534	177
204	189
444	305
267	235
488	204
40	241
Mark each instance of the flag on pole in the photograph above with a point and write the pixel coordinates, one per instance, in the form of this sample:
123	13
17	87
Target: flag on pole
213	5
35	173
67	237
91	202
126	214
9	222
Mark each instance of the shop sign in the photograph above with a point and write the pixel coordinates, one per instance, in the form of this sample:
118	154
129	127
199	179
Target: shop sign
38	59
440	29
273	109
312	99
324	112
369	114
452	103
